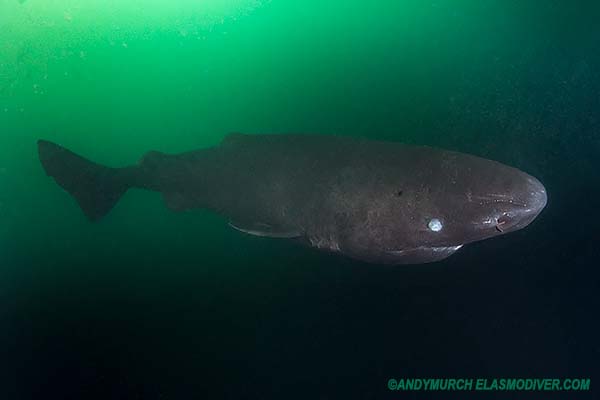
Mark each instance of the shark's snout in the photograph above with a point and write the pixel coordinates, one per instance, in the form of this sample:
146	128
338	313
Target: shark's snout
537	198
525	206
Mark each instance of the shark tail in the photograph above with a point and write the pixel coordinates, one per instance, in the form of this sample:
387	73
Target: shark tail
96	188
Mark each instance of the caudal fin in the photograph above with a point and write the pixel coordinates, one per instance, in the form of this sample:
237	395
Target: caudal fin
95	187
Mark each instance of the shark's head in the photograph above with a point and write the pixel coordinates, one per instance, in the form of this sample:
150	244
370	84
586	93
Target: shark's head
512	206
449	200
482	203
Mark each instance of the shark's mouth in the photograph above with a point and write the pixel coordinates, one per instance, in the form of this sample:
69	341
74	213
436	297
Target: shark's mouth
426	249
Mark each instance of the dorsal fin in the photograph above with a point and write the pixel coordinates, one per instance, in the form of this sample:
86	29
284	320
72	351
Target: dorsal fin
234	138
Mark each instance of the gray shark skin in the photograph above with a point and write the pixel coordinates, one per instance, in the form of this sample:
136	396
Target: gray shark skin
380	202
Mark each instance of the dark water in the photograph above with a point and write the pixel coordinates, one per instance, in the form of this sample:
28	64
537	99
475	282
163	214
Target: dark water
151	304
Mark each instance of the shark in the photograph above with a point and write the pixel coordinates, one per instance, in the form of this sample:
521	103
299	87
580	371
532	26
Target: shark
375	201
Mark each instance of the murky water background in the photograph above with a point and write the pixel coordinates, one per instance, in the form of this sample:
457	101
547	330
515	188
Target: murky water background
158	305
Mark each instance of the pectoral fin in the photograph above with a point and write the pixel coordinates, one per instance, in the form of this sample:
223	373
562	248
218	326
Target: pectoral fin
264	230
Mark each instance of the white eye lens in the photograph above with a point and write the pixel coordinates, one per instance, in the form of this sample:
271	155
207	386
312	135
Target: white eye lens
435	225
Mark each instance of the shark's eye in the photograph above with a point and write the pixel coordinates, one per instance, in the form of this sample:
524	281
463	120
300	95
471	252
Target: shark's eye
435	225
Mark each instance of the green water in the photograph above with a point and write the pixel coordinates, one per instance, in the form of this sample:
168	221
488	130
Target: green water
114	79
515	81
